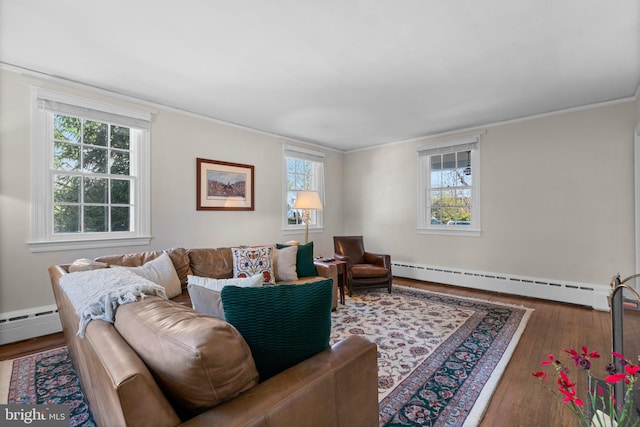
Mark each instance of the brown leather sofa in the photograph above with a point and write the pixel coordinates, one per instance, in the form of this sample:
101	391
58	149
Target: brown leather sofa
336	387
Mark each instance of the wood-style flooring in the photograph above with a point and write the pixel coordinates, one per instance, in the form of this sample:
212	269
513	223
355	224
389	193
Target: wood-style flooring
23	348
518	401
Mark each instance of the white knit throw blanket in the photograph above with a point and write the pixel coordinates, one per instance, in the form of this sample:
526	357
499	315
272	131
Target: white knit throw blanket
96	294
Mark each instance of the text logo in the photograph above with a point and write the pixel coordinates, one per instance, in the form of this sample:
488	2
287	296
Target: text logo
34	415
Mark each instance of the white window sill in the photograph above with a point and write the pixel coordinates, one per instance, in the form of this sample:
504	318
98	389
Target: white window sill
301	230
450	232
67	245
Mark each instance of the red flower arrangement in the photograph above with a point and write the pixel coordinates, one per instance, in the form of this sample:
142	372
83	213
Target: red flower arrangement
603	410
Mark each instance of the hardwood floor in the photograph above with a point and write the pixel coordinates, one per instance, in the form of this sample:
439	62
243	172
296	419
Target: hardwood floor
519	401
34	345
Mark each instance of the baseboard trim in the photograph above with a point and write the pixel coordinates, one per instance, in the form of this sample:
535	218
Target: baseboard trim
24	324
592	295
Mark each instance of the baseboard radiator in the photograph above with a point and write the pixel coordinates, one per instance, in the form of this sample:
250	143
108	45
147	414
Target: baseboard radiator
591	295
24	324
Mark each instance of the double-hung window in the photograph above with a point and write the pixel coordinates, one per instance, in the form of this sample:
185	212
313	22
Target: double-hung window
303	171
449	187
90	174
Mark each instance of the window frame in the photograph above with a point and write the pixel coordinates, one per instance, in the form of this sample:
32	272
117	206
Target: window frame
424	153
46	103
316	226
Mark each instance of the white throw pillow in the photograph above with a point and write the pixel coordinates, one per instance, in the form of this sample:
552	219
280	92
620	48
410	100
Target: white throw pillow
218	284
161	271
285	264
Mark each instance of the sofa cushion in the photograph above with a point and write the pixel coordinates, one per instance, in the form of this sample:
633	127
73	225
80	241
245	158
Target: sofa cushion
198	360
304	259
178	257
283	324
205	292
248	261
368	271
211	262
160	271
284	264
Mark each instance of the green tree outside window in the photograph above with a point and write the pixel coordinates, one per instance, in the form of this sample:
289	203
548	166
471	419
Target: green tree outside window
91	179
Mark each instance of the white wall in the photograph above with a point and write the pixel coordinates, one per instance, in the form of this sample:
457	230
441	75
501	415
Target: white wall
557	195
557	199
177	139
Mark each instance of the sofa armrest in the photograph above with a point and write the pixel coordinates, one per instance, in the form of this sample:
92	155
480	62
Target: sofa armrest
123	387
336	387
117	384
329	271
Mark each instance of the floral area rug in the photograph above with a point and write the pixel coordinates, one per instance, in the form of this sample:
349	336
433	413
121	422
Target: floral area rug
440	357
46	378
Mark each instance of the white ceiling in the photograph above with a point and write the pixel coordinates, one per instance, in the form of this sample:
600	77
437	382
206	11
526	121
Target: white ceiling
345	74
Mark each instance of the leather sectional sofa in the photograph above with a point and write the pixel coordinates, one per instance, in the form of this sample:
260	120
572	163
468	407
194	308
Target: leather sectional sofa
335	387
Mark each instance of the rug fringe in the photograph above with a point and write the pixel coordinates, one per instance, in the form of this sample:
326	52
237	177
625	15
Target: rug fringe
6	366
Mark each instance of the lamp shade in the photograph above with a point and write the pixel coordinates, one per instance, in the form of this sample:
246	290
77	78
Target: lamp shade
308	200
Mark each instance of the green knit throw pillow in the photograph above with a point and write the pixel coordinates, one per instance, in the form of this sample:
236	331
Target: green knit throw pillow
283	324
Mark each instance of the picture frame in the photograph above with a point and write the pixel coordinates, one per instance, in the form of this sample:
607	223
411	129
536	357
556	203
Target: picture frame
224	186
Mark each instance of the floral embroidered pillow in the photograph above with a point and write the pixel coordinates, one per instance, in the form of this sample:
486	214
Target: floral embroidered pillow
249	261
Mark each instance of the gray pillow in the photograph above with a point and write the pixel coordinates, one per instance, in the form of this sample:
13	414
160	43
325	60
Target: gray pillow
206	301
160	271
205	292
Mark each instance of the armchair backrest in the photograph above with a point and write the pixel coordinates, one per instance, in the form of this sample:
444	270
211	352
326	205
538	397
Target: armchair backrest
351	246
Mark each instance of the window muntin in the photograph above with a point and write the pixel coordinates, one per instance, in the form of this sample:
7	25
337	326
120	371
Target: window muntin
451	189
91	180
91	174
300	177
304	171
448	185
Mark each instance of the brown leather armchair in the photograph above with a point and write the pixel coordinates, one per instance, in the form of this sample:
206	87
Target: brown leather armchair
364	269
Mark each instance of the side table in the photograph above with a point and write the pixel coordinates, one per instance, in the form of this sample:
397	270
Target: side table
341	267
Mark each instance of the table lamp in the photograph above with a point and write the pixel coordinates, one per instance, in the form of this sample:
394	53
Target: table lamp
307	200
